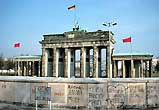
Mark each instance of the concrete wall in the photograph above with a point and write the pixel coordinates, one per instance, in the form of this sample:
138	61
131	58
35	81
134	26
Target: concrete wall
88	93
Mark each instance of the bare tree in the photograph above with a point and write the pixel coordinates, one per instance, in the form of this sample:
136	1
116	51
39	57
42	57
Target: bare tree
6	64
9	64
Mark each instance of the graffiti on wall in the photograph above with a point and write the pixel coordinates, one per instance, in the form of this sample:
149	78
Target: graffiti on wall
57	92
77	94
105	95
3	85
117	93
152	93
96	95
136	93
7	91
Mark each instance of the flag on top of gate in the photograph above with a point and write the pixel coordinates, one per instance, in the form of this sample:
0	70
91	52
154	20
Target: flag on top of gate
127	40
71	7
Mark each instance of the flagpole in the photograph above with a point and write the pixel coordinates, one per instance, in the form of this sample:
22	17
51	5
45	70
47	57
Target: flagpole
75	17
131	59
109	24
73	7
17	46
128	40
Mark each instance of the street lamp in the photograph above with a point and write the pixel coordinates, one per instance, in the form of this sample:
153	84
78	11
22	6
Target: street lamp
109	24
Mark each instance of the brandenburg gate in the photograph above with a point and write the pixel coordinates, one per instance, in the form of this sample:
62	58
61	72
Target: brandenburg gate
59	52
83	54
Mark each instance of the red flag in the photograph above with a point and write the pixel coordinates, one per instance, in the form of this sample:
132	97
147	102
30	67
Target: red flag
16	45
127	40
71	7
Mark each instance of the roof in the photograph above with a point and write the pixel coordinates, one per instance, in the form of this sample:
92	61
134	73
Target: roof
133	54
28	57
76	37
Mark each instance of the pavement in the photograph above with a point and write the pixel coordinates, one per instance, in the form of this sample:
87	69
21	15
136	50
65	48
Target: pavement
4	106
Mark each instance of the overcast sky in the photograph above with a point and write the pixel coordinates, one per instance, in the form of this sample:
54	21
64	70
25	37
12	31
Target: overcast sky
26	21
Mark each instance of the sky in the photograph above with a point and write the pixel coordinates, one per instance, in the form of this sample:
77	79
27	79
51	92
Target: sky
26	21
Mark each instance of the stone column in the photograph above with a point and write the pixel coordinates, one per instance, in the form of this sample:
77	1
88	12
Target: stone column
55	64
30	68
132	69
15	67
142	69
27	68
99	62
150	68
66	63
87	71
39	63
18	68
108	62
43	62
146	72
72	62
123	67
21	68
95	62
33	69
24	68
115	68
83	62
61	62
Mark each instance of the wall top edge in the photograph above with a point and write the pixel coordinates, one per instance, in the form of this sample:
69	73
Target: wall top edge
76	80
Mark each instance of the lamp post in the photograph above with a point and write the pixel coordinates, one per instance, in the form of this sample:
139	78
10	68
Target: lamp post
109	24
108	58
